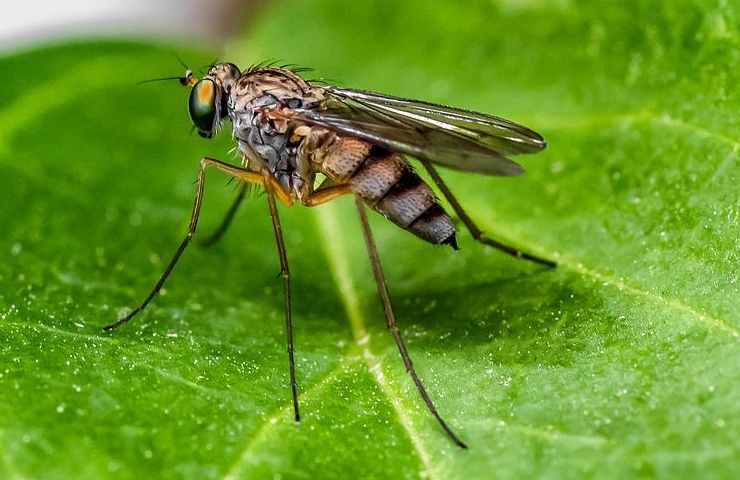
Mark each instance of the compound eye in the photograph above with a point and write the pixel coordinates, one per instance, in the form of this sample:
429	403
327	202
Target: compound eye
202	105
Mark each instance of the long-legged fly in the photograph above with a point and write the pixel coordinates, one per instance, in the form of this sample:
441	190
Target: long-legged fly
289	130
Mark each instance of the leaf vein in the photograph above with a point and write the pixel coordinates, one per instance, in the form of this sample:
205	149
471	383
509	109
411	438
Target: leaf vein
593	121
158	371
281	413
606	279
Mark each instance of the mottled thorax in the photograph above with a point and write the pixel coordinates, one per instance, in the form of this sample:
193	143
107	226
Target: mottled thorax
257	90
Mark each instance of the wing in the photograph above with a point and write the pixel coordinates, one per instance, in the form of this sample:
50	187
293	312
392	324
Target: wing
449	136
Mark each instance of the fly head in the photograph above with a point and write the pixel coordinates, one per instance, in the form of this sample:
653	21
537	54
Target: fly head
208	97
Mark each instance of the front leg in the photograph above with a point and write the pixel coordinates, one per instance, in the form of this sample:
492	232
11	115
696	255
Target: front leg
205	162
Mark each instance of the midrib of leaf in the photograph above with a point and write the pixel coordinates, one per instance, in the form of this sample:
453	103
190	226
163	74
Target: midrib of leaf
334	245
337	256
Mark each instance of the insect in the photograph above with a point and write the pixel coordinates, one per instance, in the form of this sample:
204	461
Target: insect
290	132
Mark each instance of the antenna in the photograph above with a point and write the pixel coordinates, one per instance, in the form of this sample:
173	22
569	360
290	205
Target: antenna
184	65
163	79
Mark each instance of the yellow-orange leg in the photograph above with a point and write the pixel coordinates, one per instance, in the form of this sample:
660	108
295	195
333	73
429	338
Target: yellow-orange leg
326	194
318	197
252	177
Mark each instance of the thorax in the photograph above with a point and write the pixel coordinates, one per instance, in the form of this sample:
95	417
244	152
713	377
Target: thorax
264	88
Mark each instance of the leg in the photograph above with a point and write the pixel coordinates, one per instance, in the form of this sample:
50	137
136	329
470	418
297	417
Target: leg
226	222
326	194
205	162
391	320
285	272
473	228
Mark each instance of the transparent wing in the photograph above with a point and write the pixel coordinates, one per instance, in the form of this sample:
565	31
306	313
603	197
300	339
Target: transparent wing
449	136
494	132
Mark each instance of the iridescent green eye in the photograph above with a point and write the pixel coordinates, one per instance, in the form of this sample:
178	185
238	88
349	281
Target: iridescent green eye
202	106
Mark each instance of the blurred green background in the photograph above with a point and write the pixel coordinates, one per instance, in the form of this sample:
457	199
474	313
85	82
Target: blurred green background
623	362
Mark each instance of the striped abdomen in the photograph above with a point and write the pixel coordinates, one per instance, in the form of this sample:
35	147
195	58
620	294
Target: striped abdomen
389	185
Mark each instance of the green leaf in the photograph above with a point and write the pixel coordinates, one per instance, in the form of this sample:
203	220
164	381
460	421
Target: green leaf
622	362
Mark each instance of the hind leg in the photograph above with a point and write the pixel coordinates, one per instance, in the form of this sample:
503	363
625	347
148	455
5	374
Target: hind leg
326	194
476	232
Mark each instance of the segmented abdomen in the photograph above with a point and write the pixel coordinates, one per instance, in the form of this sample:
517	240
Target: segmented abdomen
389	185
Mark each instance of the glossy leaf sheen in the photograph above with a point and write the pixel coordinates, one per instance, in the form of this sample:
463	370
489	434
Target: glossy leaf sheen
622	362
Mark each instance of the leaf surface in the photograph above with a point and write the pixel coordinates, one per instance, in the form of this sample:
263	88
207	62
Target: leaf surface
624	361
